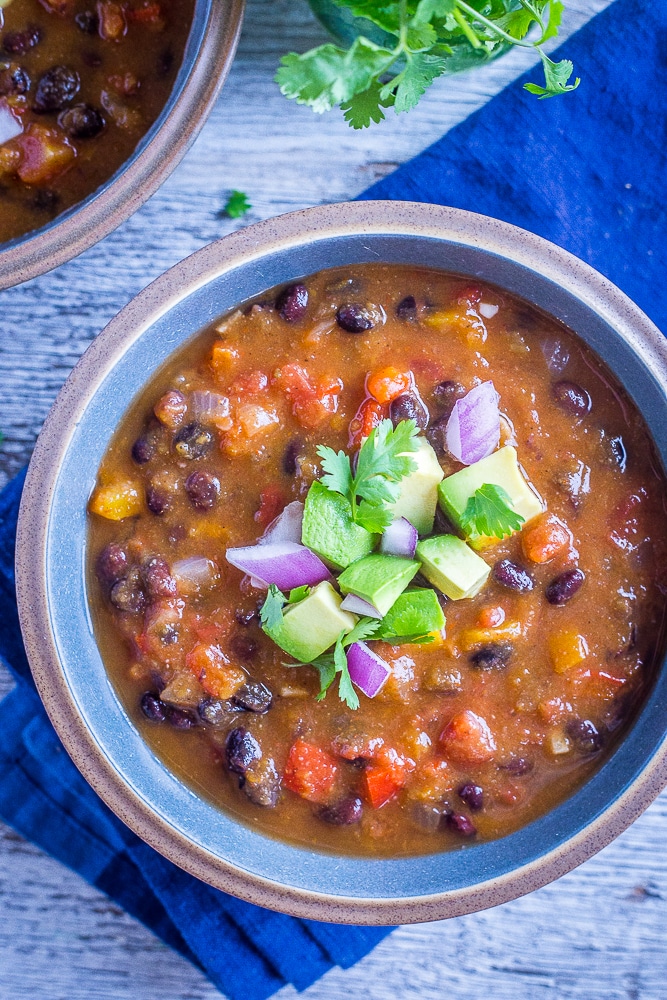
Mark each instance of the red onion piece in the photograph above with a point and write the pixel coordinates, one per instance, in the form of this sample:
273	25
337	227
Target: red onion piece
473	429
197	571
400	538
286	564
286	527
210	407
367	670
358	606
10	126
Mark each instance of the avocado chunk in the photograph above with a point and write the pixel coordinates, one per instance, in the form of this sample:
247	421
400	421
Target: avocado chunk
416	611
329	531
378	578
419	489
499	469
309	627
452	566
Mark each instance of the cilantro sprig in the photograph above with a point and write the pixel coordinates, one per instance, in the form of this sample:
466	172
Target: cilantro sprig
420	41
382	462
330	665
237	205
489	513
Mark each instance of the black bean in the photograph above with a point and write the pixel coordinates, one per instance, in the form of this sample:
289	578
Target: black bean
144	448
518	766
214	711
247	618
13	80
88	22
585	735
437	435
153	708
112	564
56	88
128	595
180	718
17	43
46	200
461	824
446	393
407	309
513	576
203	490
262	783
572	398
157	578
354	318
82	121
494	656
291	457
409	406
241	750
292	303
244	647
192	441
564	587
165	62
472	795
158	501
342	813
253	697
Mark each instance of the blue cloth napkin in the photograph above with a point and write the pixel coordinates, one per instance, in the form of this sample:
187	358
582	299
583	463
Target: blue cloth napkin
586	171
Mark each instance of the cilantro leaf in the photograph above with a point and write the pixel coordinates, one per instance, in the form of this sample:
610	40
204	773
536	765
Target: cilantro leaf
365	628
237	204
373	519
298	594
328	75
366	107
556	76
420	72
556	9
271	613
346	691
326	667
489	513
337	470
385	14
428	10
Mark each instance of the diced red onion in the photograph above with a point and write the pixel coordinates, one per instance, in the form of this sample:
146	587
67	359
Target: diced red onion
367	670
556	354
473	429
196	570
286	527
487	310
358	606
400	538
210	406
10	126
286	564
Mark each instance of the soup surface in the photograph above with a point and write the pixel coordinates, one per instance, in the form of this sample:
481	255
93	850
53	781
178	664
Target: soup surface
548	572
80	84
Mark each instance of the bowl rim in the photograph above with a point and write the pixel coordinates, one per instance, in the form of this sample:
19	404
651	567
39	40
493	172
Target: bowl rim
157	154
298	229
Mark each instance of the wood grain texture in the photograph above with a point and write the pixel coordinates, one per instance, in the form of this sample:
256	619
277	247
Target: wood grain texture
598	933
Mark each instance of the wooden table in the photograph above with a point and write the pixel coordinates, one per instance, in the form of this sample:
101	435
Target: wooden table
598	933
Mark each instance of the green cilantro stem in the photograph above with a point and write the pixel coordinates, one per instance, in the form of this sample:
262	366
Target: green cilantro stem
476	16
466	29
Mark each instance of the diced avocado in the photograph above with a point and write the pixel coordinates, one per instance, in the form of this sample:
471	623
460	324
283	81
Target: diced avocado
311	626
499	469
329	531
416	612
378	578
419	490
452	566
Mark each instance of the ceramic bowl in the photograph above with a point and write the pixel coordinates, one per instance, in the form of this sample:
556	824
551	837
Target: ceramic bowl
53	602
206	61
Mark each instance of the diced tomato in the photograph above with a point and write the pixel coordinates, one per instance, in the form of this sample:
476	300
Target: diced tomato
250	383
387	383
148	13
385	778
545	539
219	678
491	617
312	402
353	746
271	502
310	771
45	153
468	739
368	416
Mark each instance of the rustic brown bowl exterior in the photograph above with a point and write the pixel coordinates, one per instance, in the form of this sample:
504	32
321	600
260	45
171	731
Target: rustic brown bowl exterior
79	228
363	222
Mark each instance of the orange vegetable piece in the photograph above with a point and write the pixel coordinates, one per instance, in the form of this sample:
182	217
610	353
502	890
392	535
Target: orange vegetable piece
116	502
171	408
310	771
387	383
491	617
223	358
433	780
567	649
385	778
45	153
218	677
368	416
468	739
271	502
545	538
148	13
113	25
